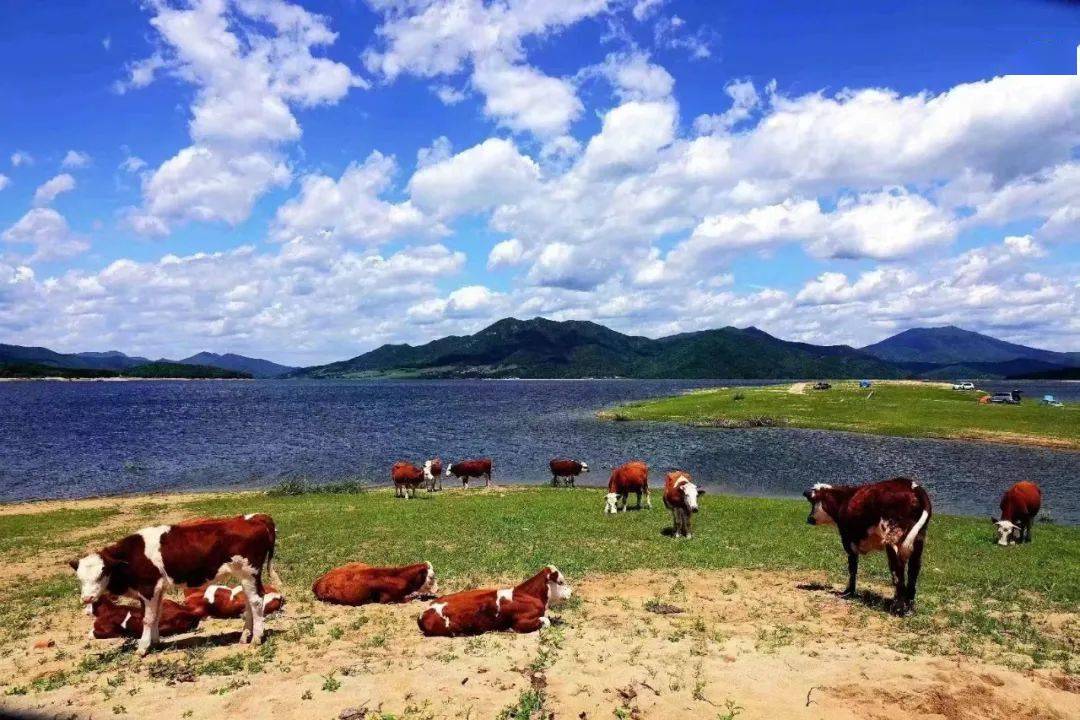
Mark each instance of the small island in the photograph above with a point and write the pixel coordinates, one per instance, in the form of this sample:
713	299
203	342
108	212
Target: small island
901	408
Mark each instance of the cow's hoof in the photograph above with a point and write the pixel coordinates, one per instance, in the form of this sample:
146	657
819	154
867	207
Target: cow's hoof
245	637
900	608
142	650
689	536
848	594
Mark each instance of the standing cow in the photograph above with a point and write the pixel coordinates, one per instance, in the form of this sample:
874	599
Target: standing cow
467	469
360	584
406	476
633	477
893	515
146	564
681	498
1019	506
568	469
521	609
433	473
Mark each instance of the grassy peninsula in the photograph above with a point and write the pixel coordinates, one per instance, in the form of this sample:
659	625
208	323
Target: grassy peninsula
907	409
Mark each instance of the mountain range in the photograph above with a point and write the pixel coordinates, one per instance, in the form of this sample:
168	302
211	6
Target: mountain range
541	348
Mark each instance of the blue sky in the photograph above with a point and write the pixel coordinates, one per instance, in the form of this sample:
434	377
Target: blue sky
305	181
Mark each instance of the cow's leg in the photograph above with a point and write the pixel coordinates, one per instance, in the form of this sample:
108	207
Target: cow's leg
686	521
1027	529
487	479
526	623
853	570
151	618
638	493
914	565
572	480
648	499
253	613
896	567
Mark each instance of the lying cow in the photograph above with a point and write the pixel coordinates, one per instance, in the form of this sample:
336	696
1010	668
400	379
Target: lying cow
566	469
633	477
406	476
146	564
223	602
433	473
893	515
471	469
1019	506
521	609
360	584
113	620
681	498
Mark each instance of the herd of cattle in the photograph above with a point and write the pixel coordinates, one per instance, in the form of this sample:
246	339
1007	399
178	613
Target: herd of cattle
892	515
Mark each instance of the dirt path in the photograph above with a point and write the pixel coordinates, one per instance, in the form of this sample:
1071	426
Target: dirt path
798	388
745	644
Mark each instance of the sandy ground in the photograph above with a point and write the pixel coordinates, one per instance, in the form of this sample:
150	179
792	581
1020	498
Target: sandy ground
755	644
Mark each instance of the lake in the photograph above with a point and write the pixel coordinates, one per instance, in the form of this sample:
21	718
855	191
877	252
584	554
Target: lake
78	439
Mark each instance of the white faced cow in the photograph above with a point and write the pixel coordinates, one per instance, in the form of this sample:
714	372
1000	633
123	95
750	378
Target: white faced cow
145	565
681	498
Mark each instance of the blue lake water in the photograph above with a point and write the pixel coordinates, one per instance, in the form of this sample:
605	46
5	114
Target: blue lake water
77	439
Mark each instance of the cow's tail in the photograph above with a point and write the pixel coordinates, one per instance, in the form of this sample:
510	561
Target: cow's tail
270	571
920	524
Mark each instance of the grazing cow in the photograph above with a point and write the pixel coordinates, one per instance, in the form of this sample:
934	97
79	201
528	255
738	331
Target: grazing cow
406	476
223	602
633	477
360	584
681	498
892	514
568	469
146	564
433	473
471	469
521	609
1019	506
113	620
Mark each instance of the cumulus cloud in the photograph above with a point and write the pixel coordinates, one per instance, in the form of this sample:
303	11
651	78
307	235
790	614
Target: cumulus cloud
481	177
634	77
471	301
75	159
50	189
48	233
4	181
506	253
20	158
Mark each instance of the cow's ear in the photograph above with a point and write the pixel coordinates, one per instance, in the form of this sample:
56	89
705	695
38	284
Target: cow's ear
110	560
701	491
808	494
73	563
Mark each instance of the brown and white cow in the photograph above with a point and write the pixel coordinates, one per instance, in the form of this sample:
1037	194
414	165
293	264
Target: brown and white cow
113	620
467	469
146	564
567	469
433	473
224	602
406	476
360	584
681	498
633	477
1019	506
892	515
521	609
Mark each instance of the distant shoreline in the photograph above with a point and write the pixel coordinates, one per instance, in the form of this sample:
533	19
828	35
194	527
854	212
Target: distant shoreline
116	379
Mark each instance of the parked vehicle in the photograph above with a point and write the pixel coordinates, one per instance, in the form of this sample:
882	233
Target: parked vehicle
822	386
963	385
1008	398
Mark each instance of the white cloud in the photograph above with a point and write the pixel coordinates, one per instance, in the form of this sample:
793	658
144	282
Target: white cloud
645	8
471	301
744	100
48	232
1052	195
50	189
631	135
506	253
133	164
481	177
75	159
350	208
449	95
20	158
671	32
4	181
524	99
635	78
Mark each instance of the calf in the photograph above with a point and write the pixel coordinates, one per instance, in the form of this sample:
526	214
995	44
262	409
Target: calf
633	477
220	601
521	609
471	469
360	584
681	498
146	564
1019	506
433	473
568	469
893	515
406	476
113	620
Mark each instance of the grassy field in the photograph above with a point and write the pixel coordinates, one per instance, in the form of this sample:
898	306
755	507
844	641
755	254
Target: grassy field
904	409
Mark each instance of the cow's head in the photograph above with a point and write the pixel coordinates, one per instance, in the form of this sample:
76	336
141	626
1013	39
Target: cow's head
94	572
690	495
431	585
584	467
558	589
449	470
1008	532
611	503
427	470
819	497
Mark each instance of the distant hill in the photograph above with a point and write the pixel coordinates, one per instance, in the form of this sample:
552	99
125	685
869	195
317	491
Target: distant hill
112	360
1069	373
541	348
150	370
164	369
952	345
229	361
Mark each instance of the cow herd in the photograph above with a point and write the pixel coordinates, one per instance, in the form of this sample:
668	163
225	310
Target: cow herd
893	515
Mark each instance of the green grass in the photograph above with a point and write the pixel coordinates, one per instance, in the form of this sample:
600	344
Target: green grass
21	535
893	409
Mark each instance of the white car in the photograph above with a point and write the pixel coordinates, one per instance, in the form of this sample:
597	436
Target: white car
963	386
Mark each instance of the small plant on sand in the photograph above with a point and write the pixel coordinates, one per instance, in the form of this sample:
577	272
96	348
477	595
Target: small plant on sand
732	710
529	706
306	695
119	710
335	632
330	683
